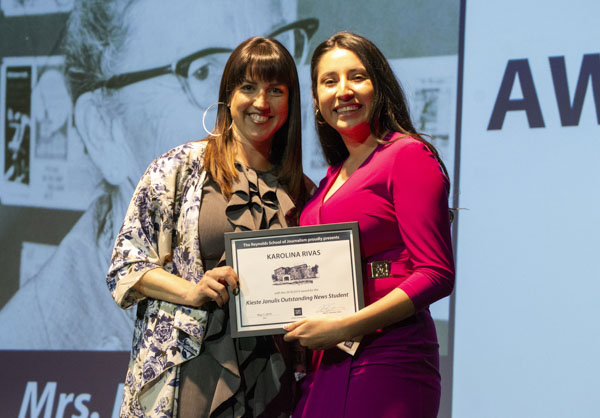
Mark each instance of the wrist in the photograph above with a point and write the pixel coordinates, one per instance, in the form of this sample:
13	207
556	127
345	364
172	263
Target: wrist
347	327
187	294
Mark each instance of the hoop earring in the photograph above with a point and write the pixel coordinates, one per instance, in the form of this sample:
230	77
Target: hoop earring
204	119
319	117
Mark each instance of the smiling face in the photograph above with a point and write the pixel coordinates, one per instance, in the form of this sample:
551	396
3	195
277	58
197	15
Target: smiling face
344	94
258	109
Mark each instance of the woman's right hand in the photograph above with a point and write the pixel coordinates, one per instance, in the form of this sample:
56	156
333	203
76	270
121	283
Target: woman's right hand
160	284
213	286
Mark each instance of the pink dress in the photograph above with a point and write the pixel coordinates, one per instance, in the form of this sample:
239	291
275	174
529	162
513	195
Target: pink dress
399	198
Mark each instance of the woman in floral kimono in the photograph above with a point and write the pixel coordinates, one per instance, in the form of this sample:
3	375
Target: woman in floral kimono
169	255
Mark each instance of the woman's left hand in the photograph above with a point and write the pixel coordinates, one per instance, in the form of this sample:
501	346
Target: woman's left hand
317	333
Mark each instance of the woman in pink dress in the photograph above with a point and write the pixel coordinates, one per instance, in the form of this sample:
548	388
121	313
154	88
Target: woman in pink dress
384	175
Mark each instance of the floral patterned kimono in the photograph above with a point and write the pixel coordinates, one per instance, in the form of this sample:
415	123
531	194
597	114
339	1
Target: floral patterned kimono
161	230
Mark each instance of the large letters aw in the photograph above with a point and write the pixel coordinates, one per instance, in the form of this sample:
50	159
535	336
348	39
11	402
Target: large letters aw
569	110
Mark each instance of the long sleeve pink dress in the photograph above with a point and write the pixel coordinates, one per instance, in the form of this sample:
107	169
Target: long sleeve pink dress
399	196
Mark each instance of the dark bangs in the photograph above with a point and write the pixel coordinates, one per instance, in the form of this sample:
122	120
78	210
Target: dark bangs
267	60
261	60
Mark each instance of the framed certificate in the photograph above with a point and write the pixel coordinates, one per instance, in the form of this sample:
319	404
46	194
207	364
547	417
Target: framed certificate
293	273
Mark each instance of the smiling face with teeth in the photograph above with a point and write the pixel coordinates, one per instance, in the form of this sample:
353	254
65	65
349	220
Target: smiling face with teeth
345	94
258	109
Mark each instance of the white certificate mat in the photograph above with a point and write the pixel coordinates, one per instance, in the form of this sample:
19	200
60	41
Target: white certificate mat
293	273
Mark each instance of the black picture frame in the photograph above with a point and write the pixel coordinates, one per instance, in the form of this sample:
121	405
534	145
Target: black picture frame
292	287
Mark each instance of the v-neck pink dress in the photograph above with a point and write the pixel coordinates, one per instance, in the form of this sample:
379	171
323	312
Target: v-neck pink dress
399	198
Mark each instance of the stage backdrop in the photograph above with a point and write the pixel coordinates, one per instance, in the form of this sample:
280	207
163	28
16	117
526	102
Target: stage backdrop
70	155
527	328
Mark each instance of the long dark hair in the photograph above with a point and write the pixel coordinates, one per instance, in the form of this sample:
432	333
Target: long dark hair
262	59
390	108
